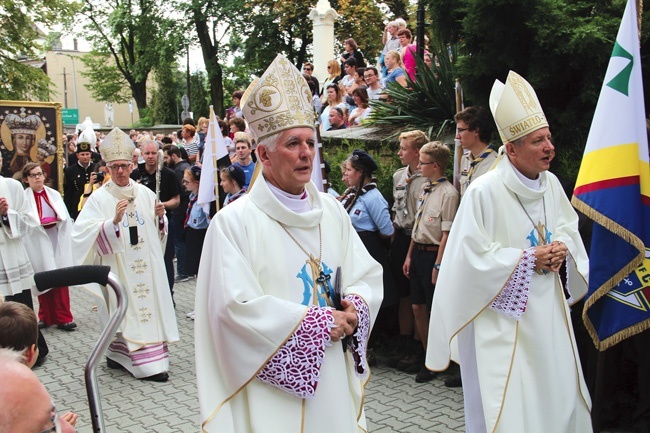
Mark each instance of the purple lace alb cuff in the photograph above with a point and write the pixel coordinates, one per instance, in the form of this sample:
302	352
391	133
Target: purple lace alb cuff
295	368
358	342
513	298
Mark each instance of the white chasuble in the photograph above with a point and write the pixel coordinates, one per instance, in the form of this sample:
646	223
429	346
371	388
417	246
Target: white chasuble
150	317
16	273
519	361
49	248
255	293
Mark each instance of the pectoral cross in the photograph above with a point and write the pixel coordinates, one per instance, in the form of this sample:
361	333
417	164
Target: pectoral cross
316	272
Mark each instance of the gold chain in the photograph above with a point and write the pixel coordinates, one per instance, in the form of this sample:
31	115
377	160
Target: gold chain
320	241
315	265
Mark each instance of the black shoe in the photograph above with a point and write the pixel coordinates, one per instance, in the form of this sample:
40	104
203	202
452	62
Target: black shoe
70	326
39	361
424	375
114	365
42	325
160	377
454	381
371	359
412	362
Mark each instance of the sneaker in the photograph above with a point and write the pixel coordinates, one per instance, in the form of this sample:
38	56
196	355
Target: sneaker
424	375
190	315
181	278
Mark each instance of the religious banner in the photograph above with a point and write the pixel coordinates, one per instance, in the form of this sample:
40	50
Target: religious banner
613	189
31	132
215	149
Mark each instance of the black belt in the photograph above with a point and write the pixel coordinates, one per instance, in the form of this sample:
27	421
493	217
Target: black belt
406	232
425	247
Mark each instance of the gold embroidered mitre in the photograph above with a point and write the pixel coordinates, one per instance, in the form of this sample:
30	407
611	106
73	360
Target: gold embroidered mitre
117	145
279	100
515	107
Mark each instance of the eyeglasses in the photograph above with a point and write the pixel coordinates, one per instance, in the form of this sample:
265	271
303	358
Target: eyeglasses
306	69
118	167
461	130
36	175
426	163
56	422
185	182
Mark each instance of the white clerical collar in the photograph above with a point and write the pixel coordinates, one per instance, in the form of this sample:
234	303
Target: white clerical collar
534	184
125	186
296	203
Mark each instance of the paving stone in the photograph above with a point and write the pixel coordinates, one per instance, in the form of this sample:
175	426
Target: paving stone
394	401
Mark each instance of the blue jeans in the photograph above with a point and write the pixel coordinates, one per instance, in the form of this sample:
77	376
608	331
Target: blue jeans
176	233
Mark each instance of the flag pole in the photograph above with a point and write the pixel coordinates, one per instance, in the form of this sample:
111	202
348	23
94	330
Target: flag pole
214	163
458	149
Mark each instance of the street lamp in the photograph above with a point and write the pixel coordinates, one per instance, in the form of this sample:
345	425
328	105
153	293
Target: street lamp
74	79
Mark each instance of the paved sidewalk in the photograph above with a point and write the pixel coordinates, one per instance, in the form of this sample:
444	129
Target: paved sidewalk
394	402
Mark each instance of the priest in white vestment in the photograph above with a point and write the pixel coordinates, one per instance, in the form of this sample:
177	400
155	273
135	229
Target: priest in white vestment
269	345
49	245
499	294
122	226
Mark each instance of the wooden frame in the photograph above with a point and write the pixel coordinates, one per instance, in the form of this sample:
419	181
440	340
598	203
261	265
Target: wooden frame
32	132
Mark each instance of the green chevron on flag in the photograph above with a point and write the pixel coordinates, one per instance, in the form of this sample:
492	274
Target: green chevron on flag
621	82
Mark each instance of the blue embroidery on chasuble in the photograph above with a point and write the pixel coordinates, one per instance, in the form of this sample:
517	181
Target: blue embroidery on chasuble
533	237
308	285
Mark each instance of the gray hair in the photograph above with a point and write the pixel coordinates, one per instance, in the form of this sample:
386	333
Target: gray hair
270	142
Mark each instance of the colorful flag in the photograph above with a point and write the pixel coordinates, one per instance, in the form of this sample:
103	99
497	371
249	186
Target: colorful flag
215	149
613	189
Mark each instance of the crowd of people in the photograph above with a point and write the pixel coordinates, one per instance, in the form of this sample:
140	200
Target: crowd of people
342	99
292	280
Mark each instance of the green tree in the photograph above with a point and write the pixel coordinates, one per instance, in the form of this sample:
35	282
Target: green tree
135	34
19	41
164	97
367	36
199	95
107	83
561	47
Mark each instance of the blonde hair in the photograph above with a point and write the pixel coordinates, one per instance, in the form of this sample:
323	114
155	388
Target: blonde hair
201	121
241	136
396	56
438	152
335	68
416	138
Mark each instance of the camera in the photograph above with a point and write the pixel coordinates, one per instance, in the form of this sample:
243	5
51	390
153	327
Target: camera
100	177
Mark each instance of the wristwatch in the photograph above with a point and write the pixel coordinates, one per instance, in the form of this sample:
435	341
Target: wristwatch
436	266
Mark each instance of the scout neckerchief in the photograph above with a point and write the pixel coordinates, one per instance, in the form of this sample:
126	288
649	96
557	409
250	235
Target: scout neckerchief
348	204
426	189
193	199
476	161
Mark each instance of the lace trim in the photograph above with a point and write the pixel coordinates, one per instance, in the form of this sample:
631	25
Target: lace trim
359	341
295	368
513	298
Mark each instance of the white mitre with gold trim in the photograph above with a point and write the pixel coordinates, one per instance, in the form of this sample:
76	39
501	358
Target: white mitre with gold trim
117	145
279	100
515	107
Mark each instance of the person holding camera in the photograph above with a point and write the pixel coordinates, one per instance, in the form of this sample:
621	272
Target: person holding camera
98	177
